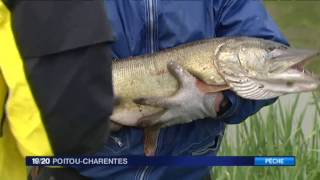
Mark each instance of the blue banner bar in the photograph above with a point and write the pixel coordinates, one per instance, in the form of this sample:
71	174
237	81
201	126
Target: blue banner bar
161	161
275	161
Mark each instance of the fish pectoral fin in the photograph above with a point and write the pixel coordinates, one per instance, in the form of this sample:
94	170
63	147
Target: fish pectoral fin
211	88
150	140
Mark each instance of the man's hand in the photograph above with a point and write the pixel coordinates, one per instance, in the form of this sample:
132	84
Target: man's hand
189	103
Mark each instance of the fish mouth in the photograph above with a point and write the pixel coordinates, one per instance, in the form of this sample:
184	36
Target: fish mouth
294	74
305	59
302	59
304	73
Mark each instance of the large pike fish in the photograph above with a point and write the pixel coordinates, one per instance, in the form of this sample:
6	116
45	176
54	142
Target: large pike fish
251	67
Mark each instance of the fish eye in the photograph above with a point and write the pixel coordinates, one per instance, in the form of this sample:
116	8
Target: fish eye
271	48
283	47
289	83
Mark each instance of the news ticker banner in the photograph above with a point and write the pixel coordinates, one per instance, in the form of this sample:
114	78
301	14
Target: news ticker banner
161	161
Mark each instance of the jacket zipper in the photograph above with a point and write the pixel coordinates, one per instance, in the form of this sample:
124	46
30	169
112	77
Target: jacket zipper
143	173
151	22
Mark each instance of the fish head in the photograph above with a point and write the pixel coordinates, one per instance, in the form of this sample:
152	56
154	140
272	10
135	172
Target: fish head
262	69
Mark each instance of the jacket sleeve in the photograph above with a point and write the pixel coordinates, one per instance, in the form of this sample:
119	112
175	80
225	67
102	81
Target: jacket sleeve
245	18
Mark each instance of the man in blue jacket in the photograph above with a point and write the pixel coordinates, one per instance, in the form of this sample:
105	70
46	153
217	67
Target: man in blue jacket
148	26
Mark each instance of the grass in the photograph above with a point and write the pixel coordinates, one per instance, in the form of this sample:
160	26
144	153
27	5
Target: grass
274	134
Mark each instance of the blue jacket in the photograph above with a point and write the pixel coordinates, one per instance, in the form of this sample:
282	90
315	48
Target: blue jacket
147	26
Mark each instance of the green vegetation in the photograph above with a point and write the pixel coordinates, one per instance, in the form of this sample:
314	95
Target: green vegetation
279	131
274	135
300	23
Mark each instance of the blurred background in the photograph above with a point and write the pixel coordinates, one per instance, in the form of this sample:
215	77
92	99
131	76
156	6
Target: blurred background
291	126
